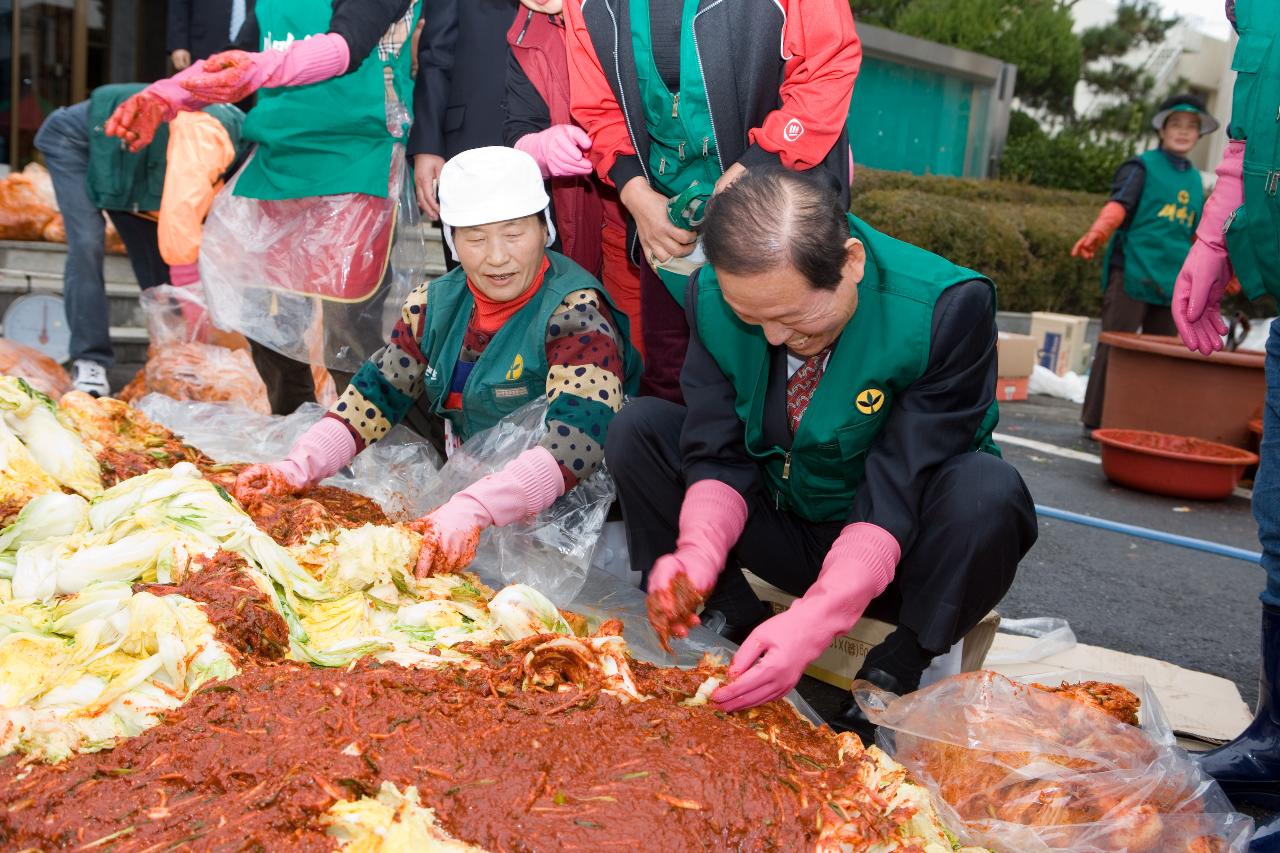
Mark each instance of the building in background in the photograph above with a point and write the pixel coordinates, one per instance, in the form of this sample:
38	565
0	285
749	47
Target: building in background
54	52
926	108
1197	51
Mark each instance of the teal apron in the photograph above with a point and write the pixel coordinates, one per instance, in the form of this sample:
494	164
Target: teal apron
331	137
1157	240
1253	231
682	140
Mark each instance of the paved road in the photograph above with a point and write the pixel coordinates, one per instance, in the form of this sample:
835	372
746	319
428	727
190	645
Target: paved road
1190	608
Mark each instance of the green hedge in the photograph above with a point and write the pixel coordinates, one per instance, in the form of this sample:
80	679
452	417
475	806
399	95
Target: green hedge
1019	235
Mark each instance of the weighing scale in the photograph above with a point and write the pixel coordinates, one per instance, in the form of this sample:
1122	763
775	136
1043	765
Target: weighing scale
39	320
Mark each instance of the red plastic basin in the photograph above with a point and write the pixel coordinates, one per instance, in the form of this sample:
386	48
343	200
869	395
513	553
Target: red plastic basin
1178	466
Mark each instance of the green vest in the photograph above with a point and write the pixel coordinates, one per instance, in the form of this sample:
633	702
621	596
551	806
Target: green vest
121	180
512	370
682	139
1159	236
1253	231
881	352
331	137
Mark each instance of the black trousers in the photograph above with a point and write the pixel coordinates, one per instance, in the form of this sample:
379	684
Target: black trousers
977	522
139	235
289	382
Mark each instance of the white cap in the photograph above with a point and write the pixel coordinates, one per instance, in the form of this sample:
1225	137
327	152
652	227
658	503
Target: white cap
491	184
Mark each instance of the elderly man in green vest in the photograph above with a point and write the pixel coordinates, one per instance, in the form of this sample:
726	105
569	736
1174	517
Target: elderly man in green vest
836	442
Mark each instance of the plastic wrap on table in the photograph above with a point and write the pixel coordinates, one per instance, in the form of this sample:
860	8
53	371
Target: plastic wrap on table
1016	768
182	365
27	205
319	279
552	552
42	372
1051	634
397	471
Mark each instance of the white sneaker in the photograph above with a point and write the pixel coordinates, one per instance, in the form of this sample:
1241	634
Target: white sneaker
90	377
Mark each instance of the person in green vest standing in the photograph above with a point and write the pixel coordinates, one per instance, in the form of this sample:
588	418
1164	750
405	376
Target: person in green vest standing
92	173
1147	226
837	442
513	322
679	98
306	226
1240	235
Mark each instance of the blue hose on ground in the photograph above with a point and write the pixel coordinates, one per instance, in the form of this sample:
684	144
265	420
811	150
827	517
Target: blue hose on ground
1148	533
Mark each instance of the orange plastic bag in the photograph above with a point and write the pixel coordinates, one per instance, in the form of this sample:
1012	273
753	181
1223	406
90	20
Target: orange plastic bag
1019	768
42	372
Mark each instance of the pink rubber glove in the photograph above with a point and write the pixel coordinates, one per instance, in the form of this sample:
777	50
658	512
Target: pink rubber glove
522	488
234	75
711	520
858	567
186	278
1197	294
318	453
137	119
558	150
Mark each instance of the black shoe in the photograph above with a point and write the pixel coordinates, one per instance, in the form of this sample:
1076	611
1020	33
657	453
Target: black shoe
734	632
851	718
1248	768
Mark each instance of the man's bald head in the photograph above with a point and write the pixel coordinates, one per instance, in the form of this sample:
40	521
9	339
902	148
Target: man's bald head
771	219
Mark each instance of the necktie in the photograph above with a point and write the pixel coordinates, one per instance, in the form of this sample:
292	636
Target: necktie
801	385
237	17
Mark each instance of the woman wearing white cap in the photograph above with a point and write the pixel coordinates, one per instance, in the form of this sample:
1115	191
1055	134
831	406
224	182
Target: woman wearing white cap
514	321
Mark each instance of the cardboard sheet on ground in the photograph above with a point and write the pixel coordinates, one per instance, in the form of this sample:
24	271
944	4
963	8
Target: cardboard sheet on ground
1199	706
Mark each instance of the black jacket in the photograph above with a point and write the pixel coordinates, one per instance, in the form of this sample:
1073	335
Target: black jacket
743	69
202	27
462	76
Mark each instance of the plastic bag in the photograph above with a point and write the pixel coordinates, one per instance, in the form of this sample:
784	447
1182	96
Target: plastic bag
1017	768
42	372
181	367
553	552
27	204
317	279
1052	635
1070	386
396	472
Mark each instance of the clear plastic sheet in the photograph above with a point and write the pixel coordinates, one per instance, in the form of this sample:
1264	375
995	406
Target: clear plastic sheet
400	473
1051	634
1014	768
184	368
553	552
397	472
317	279
42	372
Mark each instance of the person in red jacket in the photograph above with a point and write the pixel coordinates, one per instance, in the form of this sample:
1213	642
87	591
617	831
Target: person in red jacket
589	218
679	98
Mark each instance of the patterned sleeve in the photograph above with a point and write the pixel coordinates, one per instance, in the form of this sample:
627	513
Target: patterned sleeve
584	383
386	385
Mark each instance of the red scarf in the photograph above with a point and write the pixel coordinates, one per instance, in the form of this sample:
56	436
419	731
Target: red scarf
490	315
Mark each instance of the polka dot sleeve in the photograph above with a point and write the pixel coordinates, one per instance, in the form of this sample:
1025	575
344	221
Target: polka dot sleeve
389	382
584	383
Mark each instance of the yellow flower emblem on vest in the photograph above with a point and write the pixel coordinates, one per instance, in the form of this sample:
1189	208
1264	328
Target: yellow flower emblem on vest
1183	197
870	401
517	368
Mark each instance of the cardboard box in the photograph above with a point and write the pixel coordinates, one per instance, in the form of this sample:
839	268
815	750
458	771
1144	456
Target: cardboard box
1015	355
1059	341
843	658
1010	390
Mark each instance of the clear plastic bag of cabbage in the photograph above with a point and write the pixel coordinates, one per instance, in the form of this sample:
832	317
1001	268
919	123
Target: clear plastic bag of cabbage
553	551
